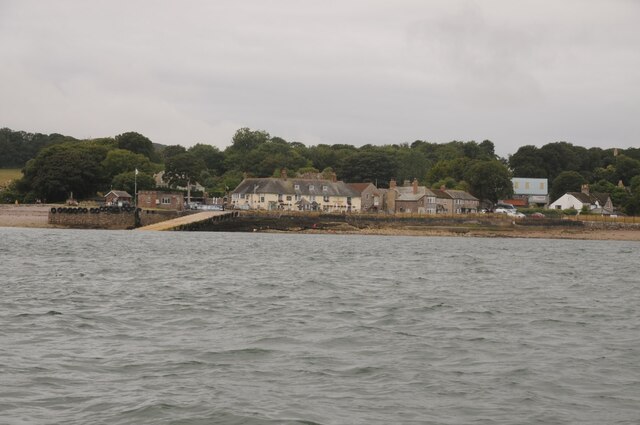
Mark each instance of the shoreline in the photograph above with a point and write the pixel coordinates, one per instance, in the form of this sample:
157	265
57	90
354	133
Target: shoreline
36	216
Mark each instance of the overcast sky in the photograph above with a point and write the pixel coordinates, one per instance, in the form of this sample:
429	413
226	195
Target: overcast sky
345	71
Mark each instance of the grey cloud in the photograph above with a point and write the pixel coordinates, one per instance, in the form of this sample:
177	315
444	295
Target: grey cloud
356	72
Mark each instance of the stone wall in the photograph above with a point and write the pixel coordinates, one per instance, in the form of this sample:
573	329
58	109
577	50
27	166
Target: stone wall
112	218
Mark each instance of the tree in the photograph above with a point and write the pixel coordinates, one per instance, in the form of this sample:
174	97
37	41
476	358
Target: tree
454	168
120	161
567	181
171	151
626	168
130	182
632	206
136	143
489	180
368	166
183	169
212	157
527	162
59	170
487	149
634	185
244	141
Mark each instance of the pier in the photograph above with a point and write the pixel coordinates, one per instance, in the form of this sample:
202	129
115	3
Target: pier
191	221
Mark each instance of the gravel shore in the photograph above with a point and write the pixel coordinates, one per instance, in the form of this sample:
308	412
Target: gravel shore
37	216
25	215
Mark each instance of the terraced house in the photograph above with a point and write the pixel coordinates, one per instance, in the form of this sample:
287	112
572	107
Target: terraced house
412	198
295	195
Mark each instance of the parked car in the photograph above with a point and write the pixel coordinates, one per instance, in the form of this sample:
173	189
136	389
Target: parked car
537	215
515	214
504	208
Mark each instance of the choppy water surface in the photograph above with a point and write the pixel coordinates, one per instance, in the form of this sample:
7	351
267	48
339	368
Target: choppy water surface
196	328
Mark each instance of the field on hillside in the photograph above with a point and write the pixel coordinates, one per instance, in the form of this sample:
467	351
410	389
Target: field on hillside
7	174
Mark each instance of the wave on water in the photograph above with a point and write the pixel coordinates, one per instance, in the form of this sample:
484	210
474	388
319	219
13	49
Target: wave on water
200	328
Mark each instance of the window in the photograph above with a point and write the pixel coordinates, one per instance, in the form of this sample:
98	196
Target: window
166	200
261	198
516	185
312	198
288	197
326	198
242	196
325	188
526	185
311	187
298	197
279	197
296	186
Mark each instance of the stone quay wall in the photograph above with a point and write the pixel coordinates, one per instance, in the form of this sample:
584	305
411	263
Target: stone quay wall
111	218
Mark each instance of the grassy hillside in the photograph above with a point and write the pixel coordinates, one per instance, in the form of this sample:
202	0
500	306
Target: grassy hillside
7	174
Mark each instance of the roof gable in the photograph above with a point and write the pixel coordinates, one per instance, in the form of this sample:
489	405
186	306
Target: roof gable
118	193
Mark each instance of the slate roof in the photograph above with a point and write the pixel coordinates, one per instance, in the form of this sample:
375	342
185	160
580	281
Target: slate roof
360	187
405	193
460	194
288	187
119	193
441	194
591	198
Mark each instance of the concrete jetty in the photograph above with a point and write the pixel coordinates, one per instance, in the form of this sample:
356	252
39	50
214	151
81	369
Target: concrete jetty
189	220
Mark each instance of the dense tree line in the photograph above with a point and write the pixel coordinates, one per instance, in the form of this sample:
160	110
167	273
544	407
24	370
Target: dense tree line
55	165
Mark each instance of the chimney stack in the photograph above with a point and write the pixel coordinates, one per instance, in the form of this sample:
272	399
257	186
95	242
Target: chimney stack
415	186
283	174
585	189
392	184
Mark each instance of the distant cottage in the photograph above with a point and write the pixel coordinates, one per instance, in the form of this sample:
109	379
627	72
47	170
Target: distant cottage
412	198
596	203
295	195
117	198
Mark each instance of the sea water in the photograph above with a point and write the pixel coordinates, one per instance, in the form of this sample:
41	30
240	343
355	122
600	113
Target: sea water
122	327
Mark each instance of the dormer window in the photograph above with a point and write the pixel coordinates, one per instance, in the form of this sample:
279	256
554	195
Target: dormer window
311	187
325	188
296	186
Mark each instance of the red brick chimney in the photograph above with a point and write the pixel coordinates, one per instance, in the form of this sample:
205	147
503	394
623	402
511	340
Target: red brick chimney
392	184
415	186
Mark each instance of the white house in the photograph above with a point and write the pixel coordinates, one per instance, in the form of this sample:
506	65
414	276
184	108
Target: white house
295	194
595	202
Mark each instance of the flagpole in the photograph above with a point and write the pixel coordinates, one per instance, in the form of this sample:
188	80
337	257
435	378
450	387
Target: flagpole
135	188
